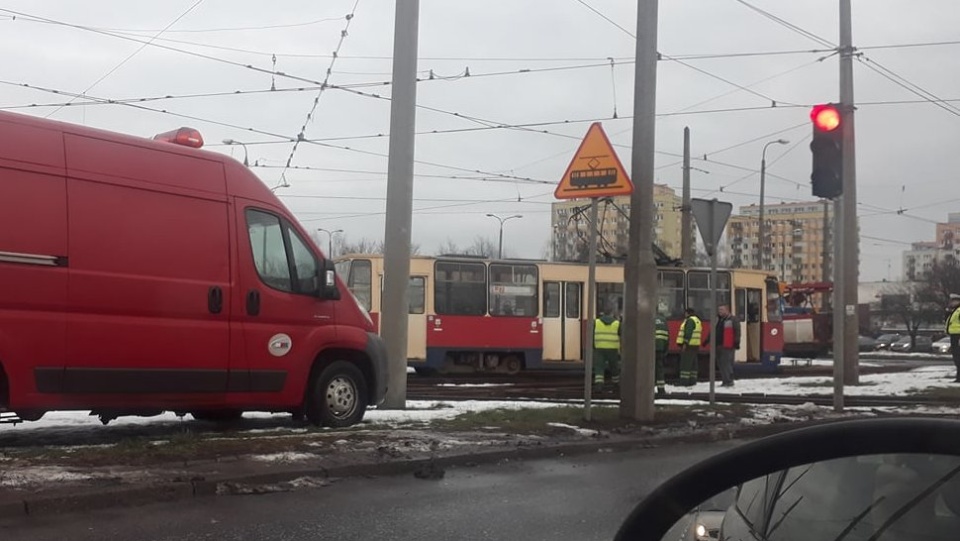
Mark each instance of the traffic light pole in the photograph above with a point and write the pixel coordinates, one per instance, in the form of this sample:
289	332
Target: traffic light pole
847	271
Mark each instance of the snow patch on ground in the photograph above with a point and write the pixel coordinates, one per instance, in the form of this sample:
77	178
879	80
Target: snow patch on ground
28	476
425	411
577	429
800	361
288	456
892	384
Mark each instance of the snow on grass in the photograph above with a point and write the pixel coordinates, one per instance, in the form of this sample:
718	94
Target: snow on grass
35	475
801	361
288	456
425	411
577	429
893	384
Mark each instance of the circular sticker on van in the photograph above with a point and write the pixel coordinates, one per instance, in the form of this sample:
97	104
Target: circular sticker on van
774	332
279	345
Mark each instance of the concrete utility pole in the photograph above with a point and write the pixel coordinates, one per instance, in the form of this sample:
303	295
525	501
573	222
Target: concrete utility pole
636	394
396	260
686	219
849	269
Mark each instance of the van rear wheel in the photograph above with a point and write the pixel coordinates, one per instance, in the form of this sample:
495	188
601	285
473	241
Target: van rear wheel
338	396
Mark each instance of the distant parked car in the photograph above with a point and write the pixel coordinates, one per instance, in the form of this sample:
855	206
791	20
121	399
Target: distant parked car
867	344
942	345
924	344
885	340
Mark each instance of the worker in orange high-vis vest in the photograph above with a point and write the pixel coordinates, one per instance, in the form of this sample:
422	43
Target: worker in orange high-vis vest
606	348
727	336
689	339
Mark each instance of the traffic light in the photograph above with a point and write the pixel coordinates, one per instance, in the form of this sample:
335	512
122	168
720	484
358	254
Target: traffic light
827	148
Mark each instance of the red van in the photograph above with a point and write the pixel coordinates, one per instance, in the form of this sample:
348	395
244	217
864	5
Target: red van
139	276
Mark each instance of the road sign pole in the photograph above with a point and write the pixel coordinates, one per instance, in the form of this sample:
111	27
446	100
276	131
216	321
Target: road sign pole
713	310
712	216
591	311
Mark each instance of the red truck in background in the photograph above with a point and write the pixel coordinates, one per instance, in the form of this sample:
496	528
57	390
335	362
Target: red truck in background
139	276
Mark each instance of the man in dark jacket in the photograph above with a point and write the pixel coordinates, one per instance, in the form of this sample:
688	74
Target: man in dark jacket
727	336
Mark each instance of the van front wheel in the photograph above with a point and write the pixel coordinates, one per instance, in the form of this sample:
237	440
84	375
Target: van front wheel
338	396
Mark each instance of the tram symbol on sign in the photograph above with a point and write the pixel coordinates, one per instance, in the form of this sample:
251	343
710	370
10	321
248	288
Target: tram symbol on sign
595	170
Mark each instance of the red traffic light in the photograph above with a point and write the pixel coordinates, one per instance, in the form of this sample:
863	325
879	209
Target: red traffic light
825	117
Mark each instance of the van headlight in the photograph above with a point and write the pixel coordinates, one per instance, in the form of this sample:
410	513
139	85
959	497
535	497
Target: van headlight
701	530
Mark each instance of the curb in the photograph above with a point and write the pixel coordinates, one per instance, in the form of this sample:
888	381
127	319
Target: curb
94	499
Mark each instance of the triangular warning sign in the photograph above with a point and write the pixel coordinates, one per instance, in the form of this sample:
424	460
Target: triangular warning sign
595	170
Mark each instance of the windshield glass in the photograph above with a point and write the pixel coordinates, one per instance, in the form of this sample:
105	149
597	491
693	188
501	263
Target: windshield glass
862	498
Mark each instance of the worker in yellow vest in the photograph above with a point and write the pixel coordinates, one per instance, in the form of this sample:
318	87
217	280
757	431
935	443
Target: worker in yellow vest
606	348
689	339
953	330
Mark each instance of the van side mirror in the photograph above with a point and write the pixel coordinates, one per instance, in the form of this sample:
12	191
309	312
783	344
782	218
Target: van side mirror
327	281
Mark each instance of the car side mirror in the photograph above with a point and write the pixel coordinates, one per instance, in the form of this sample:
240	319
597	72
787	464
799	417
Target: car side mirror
327	281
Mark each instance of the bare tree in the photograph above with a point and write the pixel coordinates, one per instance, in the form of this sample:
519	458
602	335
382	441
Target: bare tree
914	304
449	248
482	247
360	246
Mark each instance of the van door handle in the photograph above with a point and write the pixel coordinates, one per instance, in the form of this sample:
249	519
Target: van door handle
215	300
253	302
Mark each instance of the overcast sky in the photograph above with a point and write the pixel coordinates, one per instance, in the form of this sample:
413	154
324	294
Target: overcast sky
906	153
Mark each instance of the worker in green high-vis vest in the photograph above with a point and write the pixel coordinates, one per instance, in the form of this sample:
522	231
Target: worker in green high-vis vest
662	340
689	339
606	348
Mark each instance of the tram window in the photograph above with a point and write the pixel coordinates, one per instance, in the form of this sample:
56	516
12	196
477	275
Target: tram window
460	289
573	301
360	282
670	301
551	299
754	299
610	297
513	290
698	292
773	301
417	294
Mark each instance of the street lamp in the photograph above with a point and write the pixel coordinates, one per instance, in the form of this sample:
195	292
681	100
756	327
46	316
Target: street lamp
231	142
330	235
763	181
502	220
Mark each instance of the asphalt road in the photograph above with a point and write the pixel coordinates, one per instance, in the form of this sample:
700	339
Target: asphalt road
583	498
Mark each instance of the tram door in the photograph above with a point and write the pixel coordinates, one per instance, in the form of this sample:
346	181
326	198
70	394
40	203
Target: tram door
562	324
748	304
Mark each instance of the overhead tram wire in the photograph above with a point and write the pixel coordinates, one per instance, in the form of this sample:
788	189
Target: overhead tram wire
316	100
866	61
130	56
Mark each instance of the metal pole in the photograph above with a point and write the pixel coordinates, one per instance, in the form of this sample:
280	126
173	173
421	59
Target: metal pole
686	223
838	318
400	201
849	270
636	394
714	330
591	311
825	273
330	244
762	227
500	249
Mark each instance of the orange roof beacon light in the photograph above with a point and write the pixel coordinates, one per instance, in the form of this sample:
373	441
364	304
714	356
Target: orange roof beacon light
187	137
